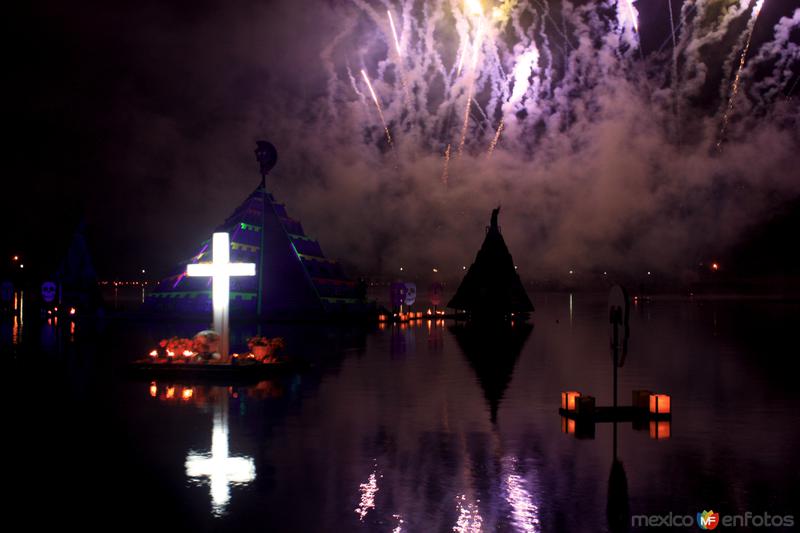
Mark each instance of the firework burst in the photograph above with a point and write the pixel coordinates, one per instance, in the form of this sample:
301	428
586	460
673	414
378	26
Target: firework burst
738	78
378	106
463	73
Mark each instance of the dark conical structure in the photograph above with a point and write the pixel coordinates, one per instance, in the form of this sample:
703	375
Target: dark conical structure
492	288
618	507
492	350
73	272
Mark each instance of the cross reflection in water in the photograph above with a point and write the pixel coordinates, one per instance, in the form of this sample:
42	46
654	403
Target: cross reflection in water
218	468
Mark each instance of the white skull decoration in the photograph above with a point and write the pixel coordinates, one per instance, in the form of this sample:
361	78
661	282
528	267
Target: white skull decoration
48	291
411	293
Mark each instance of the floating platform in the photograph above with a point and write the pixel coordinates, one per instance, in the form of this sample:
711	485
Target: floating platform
621	413
215	371
413	316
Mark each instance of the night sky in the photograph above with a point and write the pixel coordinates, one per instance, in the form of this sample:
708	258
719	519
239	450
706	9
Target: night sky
142	118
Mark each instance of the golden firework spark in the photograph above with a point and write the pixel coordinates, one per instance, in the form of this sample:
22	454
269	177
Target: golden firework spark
463	139
473	7
445	173
737	79
496	138
378	106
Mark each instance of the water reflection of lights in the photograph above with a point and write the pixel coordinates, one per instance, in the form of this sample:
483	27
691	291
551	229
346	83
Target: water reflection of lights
570	306
469	517
524	513
16	331
368	491
516	491
218	468
176	392
399	526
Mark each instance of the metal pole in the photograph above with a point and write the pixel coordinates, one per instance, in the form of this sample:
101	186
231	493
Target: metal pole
615	349
261	247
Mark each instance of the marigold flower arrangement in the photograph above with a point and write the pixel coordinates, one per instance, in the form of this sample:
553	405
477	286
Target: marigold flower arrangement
174	347
265	349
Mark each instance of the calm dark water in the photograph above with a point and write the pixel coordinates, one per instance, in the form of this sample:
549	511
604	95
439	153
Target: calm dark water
421	428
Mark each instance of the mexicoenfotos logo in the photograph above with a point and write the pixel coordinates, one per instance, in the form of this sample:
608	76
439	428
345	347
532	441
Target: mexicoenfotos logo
707	519
710	520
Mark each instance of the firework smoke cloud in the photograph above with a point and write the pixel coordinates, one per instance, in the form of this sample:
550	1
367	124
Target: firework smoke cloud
400	124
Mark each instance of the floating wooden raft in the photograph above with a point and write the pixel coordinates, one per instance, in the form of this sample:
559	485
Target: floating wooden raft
646	406
214	370
621	413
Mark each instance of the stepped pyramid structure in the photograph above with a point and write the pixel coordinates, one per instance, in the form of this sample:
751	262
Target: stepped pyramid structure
297	281
492	288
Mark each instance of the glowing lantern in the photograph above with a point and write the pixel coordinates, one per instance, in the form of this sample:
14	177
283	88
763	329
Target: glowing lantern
154	354
188	353
568	400
170	392
659	429
153	389
72	311
170	353
187	394
659	404
382	318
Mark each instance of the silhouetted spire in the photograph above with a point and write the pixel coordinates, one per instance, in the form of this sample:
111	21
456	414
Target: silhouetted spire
491	287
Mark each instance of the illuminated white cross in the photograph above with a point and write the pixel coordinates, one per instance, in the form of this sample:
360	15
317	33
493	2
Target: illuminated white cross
220	270
219	467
